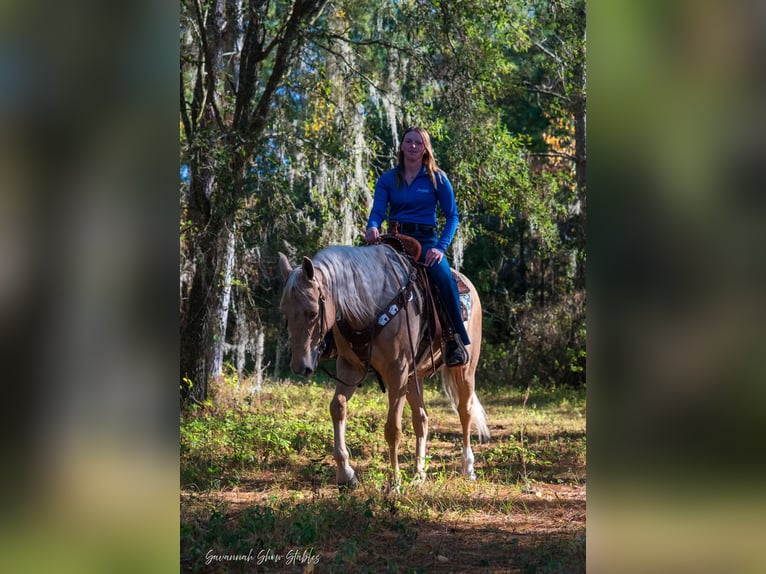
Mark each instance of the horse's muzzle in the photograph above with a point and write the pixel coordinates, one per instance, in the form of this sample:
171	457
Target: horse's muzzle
305	367
305	372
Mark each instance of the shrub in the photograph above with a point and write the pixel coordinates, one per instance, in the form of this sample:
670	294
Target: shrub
550	342
547	346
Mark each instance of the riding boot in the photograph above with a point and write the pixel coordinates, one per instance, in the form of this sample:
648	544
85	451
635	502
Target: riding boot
455	353
456	336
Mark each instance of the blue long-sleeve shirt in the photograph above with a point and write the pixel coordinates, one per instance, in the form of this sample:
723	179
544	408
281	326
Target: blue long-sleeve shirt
416	203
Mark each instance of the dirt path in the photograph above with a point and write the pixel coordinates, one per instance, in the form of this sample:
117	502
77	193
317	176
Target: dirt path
525	513
542	531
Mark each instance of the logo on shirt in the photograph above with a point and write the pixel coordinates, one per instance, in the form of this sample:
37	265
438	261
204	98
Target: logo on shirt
423	190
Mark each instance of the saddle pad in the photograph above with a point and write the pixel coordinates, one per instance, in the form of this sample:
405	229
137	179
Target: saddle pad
462	288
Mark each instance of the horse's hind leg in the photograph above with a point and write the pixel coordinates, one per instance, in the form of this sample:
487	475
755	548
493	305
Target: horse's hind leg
465	388
420	424
345	475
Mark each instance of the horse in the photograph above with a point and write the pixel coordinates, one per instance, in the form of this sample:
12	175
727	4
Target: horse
359	286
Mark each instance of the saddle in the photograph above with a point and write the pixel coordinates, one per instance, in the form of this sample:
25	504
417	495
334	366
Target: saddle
411	246
360	341
403	244
435	311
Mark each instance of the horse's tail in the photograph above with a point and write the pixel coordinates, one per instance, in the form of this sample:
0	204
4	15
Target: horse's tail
478	415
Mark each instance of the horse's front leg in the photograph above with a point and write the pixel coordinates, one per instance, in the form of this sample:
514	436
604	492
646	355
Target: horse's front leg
396	398
345	475
420	424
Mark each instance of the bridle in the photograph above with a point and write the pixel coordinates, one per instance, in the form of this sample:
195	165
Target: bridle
318	340
400	302
361	340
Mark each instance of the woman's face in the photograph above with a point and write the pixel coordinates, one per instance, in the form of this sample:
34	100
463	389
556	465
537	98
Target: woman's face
412	146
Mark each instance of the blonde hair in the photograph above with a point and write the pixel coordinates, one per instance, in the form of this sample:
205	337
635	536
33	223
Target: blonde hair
428	155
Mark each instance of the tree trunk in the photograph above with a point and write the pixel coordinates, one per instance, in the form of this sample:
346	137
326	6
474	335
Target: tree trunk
194	326
204	318
195	329
259	368
580	179
241	337
222	311
217	174
277	357
581	163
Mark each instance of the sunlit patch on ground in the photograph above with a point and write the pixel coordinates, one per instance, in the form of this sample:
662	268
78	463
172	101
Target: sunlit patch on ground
258	487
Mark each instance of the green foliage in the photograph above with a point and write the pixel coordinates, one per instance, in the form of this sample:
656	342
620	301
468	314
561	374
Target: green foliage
289	421
489	166
550	343
548	346
499	85
225	456
214	449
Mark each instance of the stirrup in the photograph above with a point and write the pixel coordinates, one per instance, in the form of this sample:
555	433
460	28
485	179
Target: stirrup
455	353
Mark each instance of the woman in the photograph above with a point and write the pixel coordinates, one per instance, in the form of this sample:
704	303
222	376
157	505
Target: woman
412	190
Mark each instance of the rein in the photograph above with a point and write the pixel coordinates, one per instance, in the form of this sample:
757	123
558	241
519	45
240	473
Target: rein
322	324
361	340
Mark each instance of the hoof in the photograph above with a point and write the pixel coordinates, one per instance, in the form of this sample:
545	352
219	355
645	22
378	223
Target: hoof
352	484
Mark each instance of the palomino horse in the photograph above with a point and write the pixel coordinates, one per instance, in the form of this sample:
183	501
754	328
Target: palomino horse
357	287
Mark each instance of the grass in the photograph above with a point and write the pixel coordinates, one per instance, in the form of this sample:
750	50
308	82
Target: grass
258	486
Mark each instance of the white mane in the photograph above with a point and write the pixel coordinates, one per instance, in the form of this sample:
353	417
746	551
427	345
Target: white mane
360	280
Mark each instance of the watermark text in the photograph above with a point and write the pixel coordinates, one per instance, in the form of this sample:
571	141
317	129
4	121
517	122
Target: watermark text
290	557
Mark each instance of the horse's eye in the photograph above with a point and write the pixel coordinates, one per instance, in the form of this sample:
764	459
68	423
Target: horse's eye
313	315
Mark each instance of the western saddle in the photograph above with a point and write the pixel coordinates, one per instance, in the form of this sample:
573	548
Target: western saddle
436	316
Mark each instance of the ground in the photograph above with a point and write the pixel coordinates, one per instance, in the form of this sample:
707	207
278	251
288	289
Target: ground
258	490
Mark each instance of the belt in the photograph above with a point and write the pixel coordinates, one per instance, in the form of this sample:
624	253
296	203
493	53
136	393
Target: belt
416	227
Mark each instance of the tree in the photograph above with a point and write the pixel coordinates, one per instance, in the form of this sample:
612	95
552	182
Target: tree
555	83
290	111
236	56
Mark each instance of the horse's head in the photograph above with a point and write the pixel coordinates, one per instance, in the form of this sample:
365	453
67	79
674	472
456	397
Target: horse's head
303	305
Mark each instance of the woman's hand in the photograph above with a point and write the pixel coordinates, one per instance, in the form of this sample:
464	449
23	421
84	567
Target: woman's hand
433	256
372	235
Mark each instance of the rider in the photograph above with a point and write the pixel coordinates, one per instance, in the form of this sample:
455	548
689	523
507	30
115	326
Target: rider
412	190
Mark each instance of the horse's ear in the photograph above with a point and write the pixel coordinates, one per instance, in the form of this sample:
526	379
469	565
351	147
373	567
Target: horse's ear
308	268
284	266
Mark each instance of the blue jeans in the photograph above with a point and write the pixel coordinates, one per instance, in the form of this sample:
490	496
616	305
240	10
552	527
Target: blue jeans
441	275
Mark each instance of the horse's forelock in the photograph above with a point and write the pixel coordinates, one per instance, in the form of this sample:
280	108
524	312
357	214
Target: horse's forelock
295	286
